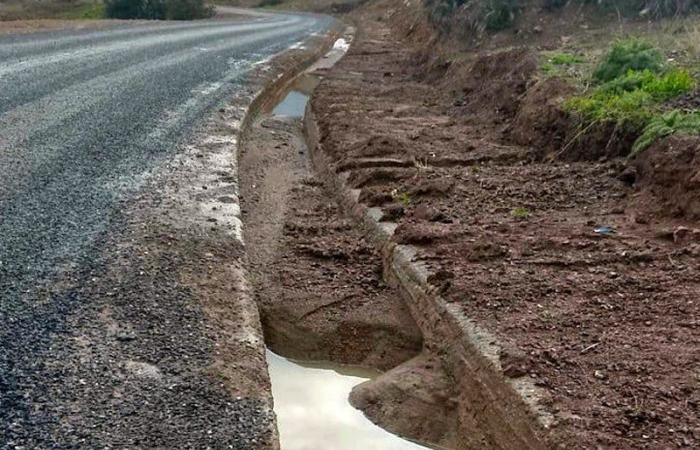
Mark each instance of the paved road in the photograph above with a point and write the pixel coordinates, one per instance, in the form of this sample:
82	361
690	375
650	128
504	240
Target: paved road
83	113
83	116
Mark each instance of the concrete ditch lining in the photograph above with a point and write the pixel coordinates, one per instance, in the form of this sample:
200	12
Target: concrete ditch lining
495	411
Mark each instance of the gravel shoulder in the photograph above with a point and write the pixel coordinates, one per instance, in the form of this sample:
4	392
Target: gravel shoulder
590	301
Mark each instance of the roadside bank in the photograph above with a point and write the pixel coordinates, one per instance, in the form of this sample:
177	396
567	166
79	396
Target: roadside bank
562	314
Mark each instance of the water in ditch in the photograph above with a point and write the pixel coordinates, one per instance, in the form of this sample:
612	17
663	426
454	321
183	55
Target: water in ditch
292	105
313	411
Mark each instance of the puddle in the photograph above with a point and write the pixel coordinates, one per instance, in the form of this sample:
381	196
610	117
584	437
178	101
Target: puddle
313	412
292	105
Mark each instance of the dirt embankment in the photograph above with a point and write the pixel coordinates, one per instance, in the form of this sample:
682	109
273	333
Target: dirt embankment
575	263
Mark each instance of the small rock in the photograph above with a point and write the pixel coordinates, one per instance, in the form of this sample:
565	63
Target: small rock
629	175
126	335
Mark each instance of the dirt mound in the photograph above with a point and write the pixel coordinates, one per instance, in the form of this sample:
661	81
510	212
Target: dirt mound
668	177
541	121
543	124
492	89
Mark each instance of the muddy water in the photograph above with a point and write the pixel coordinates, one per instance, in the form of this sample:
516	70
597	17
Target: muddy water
313	412
292	105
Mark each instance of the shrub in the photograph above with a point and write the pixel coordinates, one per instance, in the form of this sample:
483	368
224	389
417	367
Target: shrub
474	15
551	5
157	9
630	54
665	125
123	9
500	14
662	87
264	3
187	9
628	107
633	98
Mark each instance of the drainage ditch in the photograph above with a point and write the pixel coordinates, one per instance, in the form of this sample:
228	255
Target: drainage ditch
321	293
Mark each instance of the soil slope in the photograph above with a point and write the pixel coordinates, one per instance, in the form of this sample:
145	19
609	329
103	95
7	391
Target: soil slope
590	294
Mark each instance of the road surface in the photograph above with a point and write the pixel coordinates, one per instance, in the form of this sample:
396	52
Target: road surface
85	116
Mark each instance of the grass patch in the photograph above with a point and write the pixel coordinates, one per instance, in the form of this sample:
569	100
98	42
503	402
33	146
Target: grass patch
632	84
633	98
559	62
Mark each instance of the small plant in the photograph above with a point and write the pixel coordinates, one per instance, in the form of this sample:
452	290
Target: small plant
626	55
520	213
401	197
665	125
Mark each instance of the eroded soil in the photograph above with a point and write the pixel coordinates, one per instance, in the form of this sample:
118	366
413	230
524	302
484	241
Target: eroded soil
591	295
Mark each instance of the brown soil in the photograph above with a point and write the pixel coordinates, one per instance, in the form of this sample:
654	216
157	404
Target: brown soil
414	399
668	177
318	283
606	322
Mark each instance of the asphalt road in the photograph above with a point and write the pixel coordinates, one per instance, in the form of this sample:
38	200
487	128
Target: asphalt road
85	116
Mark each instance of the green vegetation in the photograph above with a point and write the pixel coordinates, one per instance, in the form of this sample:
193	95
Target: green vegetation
520	213
666	124
51	9
469	17
500	14
475	15
633	83
401	197
559	61
87	11
266	3
626	55
157	9
633	98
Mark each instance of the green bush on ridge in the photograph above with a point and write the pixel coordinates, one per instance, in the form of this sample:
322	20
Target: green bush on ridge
626	55
635	83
